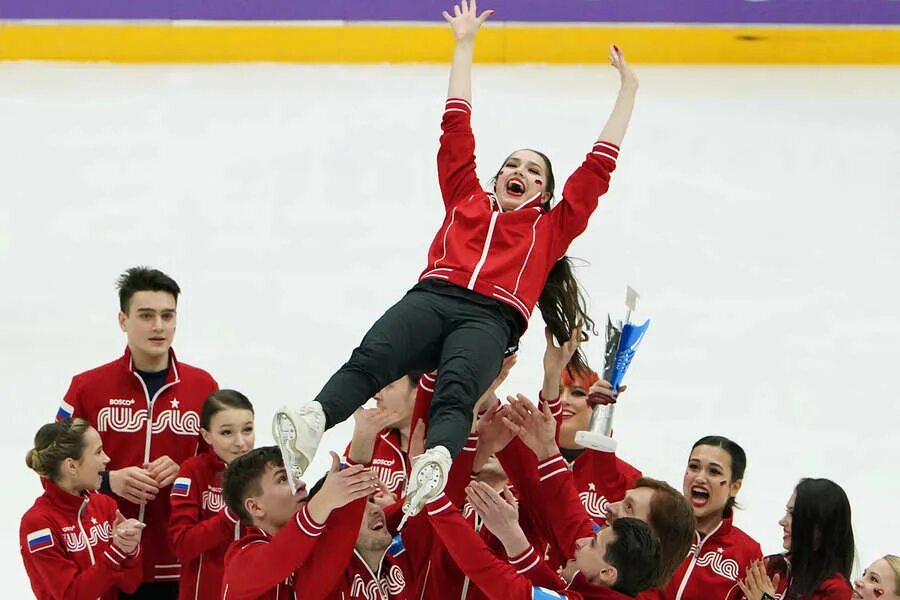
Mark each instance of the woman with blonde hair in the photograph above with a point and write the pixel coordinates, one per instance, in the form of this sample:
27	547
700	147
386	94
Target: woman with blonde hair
74	542
880	581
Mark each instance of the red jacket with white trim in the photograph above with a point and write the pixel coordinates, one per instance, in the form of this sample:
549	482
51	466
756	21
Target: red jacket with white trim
201	527
524	577
66	544
389	461
712	567
303	556
835	587
113	399
505	255
391	582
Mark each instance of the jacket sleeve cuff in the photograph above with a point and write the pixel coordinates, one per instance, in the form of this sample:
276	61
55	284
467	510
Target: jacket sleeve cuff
555	404
525	561
552	467
440	505
306	523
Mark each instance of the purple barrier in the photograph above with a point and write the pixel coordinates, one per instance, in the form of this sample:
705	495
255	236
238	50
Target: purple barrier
872	12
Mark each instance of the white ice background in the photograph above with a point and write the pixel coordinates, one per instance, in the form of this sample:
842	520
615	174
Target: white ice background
754	208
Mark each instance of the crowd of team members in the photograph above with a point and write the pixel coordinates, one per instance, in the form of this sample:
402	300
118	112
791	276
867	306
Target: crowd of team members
153	489
188	508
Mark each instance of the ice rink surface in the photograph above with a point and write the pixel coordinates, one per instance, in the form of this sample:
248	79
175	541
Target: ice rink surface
756	209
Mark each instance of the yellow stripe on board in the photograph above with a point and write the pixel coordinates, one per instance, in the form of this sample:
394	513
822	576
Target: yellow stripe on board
558	43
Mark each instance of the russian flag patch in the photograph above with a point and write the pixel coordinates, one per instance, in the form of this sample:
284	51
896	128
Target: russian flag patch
182	486
39	540
65	411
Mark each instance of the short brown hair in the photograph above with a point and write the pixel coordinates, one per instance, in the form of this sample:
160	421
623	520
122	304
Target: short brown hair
673	520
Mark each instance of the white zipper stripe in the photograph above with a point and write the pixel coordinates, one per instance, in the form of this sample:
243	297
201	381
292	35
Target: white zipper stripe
446	231
690	569
199	572
83	534
484	251
527	256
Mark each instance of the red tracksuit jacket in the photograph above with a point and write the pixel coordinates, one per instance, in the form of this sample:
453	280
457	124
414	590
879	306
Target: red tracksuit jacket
524	577
712	567
113	398
389	461
835	587
201	527
599	478
66	545
505	255
304	560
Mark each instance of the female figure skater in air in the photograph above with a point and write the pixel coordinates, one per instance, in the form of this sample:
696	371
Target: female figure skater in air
497	254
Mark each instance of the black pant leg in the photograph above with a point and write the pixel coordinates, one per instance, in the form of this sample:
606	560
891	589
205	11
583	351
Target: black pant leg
470	360
405	338
153	590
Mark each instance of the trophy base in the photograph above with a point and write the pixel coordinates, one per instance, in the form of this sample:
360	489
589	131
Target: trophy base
596	441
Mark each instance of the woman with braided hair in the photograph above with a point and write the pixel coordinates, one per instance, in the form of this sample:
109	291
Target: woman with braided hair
74	542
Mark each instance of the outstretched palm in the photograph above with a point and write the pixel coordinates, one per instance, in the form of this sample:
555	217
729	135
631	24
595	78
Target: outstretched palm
465	20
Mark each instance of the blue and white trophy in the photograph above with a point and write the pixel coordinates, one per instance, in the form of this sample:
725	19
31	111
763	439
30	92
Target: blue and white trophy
622	341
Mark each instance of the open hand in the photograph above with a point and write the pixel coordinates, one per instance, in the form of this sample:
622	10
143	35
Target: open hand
465	20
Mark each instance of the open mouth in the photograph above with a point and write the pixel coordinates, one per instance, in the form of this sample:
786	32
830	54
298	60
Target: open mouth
377	523
567	414
515	187
699	496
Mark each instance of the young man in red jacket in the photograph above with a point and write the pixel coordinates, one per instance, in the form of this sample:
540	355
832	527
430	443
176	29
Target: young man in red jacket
146	406
294	545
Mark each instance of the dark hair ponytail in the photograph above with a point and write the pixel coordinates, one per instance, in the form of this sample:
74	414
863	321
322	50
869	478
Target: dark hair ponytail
563	307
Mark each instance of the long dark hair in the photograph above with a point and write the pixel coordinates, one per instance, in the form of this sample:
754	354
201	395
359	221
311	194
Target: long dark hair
738	463
563	308
821	536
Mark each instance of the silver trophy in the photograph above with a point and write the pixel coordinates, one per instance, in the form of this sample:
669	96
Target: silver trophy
598	435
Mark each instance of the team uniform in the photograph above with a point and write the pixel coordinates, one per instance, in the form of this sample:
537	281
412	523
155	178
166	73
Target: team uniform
523	577
712	567
137	429
304	559
66	544
201	527
486	269
835	587
600	478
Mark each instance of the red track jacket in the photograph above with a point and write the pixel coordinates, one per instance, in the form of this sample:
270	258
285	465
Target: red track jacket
505	255
66	545
201	527
113	399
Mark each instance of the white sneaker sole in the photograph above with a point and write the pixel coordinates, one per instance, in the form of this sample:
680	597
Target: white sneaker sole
428	486
285	433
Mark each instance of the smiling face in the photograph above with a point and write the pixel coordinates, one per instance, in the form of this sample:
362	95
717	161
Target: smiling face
85	473
636	503
786	522
230	433
373	534
707	483
149	325
878	582
576	413
522	178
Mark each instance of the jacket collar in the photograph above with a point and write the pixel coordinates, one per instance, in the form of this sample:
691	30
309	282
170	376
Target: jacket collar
128	364
63	499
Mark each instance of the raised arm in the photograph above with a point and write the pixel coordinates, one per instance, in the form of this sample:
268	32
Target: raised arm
465	23
584	187
456	157
615	128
